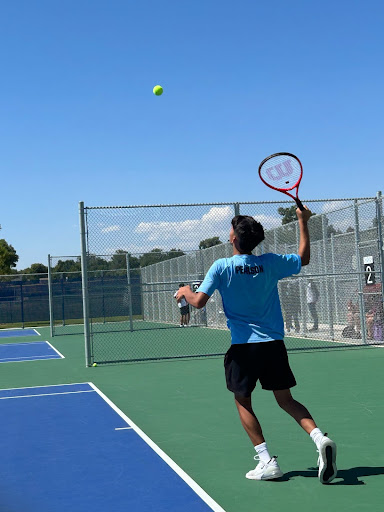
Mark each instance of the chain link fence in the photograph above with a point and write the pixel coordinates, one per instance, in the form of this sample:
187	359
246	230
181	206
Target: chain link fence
335	301
24	300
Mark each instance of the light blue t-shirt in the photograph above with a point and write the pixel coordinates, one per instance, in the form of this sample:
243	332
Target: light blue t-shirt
248	288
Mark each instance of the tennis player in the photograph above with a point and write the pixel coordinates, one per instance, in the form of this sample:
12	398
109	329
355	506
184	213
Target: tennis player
248	287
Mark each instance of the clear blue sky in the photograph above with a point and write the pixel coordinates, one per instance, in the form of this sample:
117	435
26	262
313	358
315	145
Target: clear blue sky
241	80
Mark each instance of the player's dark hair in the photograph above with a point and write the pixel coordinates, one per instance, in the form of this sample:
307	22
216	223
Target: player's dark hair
181	284
248	231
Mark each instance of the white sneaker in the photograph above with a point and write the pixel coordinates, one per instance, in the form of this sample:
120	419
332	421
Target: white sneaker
327	460
265	470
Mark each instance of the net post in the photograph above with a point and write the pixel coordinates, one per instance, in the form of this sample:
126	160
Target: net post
379	216
50	297
129	292
359	277
84	285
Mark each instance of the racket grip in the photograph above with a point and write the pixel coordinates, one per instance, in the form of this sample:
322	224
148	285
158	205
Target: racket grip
299	204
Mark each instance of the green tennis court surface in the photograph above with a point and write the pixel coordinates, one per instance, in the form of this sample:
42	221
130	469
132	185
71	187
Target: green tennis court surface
184	407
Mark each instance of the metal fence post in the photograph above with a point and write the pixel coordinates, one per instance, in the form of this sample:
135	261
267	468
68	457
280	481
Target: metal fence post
84	286
62	298
50	298
334	278
359	277
22	303
102	295
236	207
379	216
329	302
129	292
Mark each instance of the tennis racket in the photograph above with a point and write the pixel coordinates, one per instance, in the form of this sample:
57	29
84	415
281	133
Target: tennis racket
282	172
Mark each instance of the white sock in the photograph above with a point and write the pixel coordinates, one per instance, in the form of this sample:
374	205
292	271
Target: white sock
262	452
316	436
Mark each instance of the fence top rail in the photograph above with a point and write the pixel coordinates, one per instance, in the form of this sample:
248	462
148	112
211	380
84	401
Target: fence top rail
228	203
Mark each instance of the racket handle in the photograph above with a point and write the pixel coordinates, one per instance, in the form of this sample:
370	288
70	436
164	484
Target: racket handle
299	204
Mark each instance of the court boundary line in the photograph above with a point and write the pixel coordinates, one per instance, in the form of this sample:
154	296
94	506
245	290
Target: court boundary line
170	462
46	386
47	394
55	349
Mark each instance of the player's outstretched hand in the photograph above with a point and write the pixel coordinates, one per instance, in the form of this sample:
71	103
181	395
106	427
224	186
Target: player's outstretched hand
305	214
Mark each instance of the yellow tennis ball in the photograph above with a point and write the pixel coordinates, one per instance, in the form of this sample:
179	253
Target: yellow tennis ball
94	364
158	90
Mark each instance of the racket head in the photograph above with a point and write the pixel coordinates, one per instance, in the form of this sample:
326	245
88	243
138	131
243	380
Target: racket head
281	171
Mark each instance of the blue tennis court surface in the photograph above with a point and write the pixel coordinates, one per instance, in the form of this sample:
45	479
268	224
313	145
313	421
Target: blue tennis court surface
32	351
15	333
68	447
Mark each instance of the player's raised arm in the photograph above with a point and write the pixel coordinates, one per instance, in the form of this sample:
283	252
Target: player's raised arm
304	246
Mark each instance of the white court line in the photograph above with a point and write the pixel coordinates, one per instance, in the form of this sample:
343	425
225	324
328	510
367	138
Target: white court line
45	394
55	349
124	428
29	343
27	359
171	463
22	330
48	386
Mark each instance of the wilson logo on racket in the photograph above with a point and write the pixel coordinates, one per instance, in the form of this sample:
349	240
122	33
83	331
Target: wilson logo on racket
280	170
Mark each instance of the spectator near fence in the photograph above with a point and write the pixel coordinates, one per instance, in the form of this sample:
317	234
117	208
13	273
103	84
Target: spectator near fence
184	309
374	314
312	298
290	301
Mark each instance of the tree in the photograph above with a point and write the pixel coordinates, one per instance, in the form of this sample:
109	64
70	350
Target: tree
210	242
8	257
288	214
97	263
35	268
157	255
67	266
119	260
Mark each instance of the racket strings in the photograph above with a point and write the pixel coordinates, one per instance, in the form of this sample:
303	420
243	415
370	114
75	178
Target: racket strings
282	172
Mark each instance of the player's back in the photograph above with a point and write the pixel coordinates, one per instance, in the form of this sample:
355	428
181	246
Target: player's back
248	287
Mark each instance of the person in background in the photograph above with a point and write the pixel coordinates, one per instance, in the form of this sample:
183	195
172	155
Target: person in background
183	305
312	298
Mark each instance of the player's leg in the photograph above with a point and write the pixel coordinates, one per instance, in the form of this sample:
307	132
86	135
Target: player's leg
248	419
278	377
295	409
325	446
241	372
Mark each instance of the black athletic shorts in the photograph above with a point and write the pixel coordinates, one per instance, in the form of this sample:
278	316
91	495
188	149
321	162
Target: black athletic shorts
267	361
184	310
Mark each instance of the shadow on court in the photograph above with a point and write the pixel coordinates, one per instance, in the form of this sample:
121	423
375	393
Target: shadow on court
348	476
